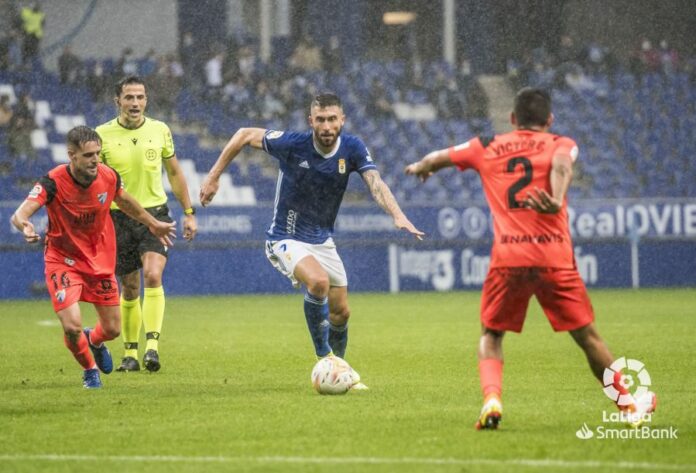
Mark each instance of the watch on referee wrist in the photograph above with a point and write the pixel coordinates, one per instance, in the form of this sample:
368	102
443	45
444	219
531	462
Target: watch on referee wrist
190	211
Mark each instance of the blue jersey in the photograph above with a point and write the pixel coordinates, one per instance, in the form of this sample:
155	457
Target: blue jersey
310	184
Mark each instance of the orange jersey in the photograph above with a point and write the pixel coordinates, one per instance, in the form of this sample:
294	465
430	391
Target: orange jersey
510	165
80	231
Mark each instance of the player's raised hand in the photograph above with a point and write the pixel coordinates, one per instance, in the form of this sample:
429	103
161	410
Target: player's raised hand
403	223
30	235
543	202
190	227
418	169
164	231
209	188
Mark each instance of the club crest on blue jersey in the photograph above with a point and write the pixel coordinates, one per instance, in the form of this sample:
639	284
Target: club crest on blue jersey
102	197
341	166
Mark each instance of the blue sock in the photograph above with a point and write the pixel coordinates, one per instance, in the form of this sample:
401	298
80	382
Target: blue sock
338	339
317	314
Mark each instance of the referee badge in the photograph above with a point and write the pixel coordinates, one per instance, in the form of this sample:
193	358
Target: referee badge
341	166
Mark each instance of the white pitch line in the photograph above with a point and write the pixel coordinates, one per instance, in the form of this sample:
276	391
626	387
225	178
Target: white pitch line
546	463
48	323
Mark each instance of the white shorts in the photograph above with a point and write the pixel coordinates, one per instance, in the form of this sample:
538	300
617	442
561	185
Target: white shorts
285	254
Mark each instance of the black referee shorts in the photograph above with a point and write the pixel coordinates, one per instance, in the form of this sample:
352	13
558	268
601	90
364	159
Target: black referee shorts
133	239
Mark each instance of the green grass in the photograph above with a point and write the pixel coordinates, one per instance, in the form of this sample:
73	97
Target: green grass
234	391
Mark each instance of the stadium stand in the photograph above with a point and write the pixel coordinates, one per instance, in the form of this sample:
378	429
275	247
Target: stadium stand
633	129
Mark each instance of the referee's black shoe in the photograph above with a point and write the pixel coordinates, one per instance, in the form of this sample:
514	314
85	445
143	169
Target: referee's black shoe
129	364
151	361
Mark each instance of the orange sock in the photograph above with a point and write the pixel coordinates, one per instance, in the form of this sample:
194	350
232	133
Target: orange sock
491	373
97	336
80	351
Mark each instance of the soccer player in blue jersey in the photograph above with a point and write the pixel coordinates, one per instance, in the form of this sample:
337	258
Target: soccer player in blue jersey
314	170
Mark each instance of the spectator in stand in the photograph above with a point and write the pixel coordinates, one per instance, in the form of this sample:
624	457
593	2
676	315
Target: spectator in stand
69	67
148	64
6	112
21	125
269	105
97	83
449	101
127	65
167	82
14	50
307	56
5	40
213	75
377	104
476	100
568	52
595	58
246	62
189	60
237	97
333	60
32	26
669	58
649	57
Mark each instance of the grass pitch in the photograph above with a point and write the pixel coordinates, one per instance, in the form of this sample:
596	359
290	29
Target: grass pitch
234	391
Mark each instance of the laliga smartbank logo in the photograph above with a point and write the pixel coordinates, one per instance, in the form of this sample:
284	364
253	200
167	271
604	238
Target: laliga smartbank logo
627	372
636	404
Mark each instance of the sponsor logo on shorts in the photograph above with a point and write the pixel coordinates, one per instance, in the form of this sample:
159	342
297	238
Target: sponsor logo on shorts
60	296
106	288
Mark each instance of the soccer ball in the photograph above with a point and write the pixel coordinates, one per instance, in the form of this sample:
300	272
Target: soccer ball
332	375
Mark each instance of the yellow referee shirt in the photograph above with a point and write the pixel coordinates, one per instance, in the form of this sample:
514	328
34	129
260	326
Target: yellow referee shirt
137	156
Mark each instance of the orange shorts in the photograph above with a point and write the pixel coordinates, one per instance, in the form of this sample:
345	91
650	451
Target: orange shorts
67	286
560	292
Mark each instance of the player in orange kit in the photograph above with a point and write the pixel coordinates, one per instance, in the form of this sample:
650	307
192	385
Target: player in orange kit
80	252
526	174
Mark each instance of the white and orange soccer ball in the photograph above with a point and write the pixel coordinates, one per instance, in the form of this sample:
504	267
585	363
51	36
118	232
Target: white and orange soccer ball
332	375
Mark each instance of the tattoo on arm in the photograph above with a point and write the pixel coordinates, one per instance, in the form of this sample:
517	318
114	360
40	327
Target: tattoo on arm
380	192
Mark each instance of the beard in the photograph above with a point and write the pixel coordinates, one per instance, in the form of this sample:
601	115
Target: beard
327	141
85	177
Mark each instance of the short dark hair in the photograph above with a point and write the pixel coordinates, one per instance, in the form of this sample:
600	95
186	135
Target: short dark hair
532	107
81	134
128	80
326	100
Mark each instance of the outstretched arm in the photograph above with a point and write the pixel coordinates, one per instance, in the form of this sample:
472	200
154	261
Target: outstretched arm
430	164
384	197
180	190
561	176
20	219
165	231
243	137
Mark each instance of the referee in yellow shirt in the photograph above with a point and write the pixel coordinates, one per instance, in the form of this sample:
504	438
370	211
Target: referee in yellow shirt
137	147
